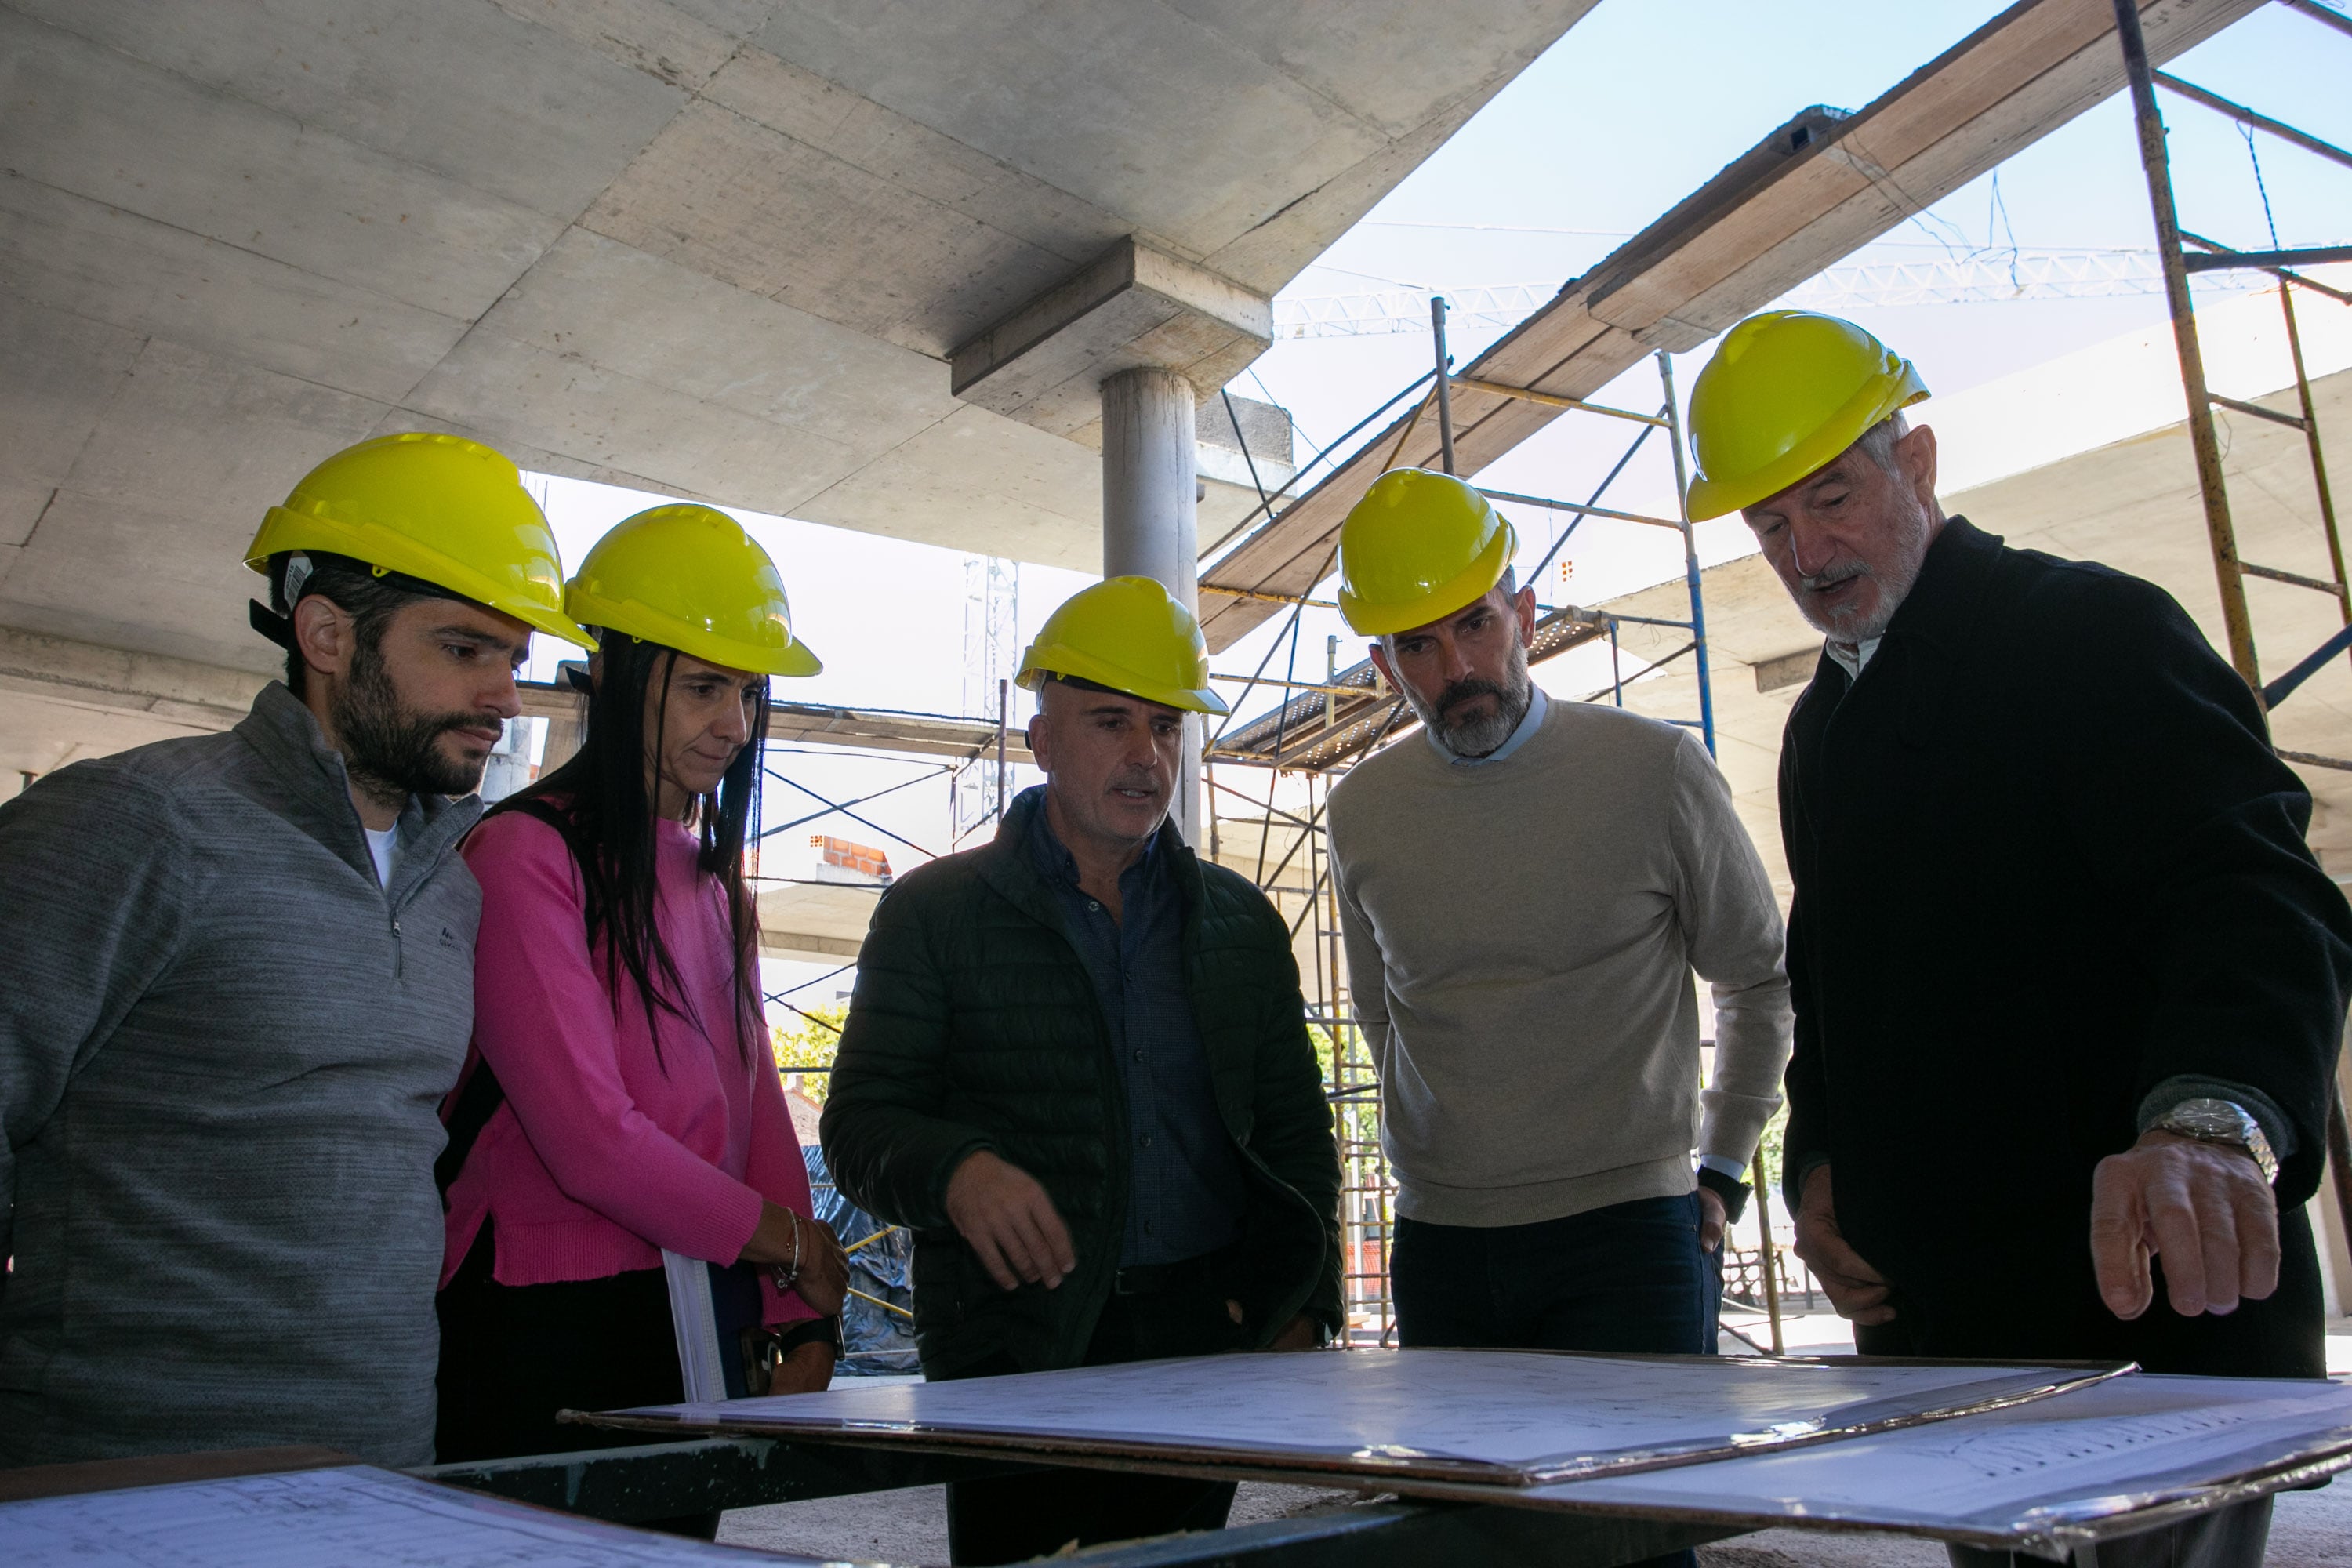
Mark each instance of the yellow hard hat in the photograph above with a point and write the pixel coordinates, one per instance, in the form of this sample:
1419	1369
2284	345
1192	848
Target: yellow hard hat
1126	633
1787	391
688	577
439	508
1418	547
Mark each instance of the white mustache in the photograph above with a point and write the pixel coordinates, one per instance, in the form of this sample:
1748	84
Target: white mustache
1830	577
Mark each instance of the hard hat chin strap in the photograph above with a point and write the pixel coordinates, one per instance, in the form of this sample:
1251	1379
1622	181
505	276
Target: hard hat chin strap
277	628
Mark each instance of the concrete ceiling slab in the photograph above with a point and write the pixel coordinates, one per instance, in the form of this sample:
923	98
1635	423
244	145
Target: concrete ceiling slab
978	473
1369	55
595	300
681	42
711	192
69	369
908	154
154	279
142	541
487	99
519	393
1118	76
82	118
716	248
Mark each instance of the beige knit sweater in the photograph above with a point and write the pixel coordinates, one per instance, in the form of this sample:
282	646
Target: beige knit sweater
1520	938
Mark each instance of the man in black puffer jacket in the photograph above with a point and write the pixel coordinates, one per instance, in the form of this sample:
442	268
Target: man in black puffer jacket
1076	1065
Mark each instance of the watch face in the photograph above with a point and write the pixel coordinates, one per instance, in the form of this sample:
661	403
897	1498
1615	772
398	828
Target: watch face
2221	1122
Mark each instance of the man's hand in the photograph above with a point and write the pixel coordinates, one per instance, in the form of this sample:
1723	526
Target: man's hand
1857	1291
1301	1334
2203	1208
1711	1219
1007	1218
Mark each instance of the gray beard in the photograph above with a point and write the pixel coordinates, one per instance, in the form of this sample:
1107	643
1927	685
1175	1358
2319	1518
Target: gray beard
1894	584
1476	737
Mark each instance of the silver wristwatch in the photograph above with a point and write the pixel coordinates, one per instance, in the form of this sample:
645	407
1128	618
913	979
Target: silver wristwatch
2221	1122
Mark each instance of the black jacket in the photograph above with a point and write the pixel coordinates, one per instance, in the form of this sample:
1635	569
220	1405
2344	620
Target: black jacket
975	1026
2046	862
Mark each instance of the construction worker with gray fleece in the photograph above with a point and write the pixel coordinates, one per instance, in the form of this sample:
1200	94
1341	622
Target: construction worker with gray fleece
237	978
1525	890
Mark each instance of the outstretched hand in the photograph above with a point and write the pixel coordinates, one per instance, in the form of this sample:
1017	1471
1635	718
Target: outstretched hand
1857	1291
2203	1208
1009	1221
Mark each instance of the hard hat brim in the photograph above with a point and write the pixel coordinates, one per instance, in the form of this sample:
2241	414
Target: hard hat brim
1061	659
793	658
283	531
1710	498
1485	571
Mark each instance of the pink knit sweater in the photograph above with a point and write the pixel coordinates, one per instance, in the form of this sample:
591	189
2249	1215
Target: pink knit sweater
602	1155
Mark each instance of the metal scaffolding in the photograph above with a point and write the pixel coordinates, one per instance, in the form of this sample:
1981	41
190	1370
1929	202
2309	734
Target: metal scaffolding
2231	572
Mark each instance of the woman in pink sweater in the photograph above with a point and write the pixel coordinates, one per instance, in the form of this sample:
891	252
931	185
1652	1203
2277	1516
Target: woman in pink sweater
623	1099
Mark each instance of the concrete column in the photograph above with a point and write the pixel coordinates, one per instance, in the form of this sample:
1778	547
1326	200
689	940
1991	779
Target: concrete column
1151	518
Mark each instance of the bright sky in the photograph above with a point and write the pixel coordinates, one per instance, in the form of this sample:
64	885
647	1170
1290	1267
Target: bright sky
1639	104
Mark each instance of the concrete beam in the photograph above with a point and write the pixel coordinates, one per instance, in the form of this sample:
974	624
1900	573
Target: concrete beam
115	681
63	701
1134	308
806	923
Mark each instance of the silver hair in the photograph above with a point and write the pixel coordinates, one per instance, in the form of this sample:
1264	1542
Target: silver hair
1878	441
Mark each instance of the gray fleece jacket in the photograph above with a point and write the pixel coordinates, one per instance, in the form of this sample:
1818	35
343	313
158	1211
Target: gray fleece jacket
223	1045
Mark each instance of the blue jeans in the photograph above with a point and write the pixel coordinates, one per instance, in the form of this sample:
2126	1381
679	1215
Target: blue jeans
1629	1277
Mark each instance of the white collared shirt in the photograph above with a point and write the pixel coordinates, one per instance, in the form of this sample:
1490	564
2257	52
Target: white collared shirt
1852	657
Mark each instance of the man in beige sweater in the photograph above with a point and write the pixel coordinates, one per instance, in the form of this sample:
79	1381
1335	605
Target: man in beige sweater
1525	890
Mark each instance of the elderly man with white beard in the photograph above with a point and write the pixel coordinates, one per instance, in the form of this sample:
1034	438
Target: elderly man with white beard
2069	982
1525	892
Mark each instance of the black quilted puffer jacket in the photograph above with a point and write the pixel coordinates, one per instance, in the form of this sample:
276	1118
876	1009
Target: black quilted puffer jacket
974	1026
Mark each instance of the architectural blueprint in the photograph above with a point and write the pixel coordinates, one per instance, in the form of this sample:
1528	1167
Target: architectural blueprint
1504	1416
2047	1473
353	1517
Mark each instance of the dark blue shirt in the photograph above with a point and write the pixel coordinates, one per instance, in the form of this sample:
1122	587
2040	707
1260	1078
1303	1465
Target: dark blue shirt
1185	1190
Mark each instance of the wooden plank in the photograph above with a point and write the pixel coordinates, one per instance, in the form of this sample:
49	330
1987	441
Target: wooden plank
1821	186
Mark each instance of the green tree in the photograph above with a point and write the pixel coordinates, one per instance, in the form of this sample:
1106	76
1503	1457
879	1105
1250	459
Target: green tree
805	1044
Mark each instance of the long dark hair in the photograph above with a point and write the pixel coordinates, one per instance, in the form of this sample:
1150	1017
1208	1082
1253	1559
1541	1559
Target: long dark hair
598	801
